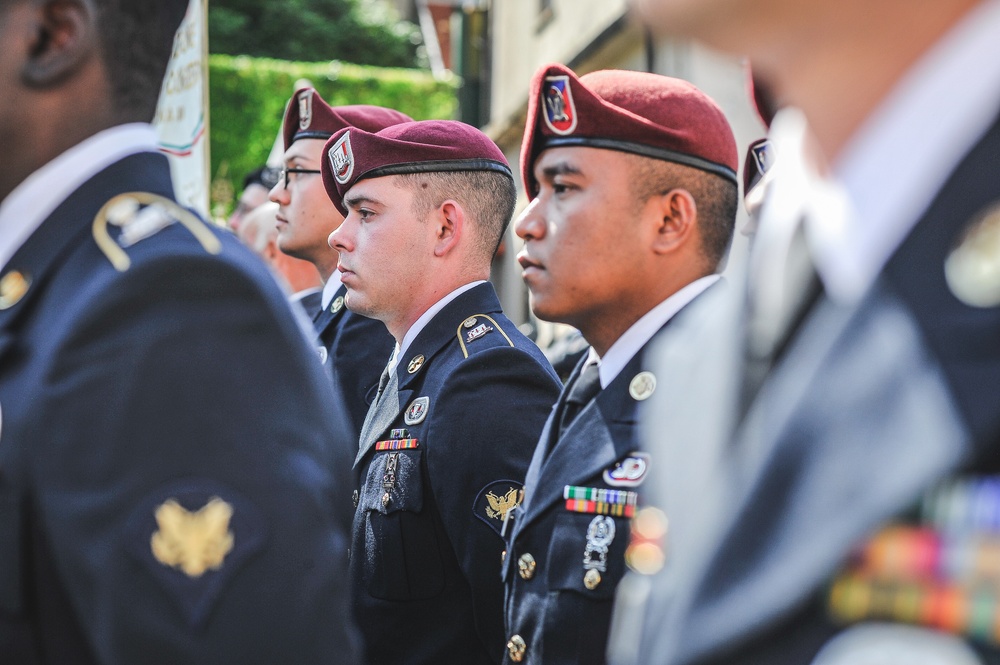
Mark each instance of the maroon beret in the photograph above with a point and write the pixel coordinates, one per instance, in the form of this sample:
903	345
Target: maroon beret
645	114
309	117
427	146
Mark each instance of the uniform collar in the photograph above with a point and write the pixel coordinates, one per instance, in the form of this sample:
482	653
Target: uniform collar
31	202
426	318
631	342
330	288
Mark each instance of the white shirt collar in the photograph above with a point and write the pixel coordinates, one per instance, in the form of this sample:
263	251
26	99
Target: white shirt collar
426	318
330	288
31	202
633	339
896	163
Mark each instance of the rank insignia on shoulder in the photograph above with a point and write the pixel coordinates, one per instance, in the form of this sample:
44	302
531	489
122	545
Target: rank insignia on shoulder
417	411
193	542
497	502
193	537
477	332
630	472
140	215
397	444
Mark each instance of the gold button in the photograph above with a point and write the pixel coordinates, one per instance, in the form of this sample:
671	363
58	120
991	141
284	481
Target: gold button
13	286
516	647
591	579
526	566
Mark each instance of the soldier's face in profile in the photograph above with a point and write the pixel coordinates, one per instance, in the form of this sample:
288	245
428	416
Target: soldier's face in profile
306	217
582	236
384	249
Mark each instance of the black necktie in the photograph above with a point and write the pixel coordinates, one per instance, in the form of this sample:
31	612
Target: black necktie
584	389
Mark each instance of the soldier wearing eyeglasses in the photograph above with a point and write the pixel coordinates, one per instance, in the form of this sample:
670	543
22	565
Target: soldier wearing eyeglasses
352	347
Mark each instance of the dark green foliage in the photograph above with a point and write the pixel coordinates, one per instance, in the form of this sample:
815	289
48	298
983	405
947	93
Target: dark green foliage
359	31
248	97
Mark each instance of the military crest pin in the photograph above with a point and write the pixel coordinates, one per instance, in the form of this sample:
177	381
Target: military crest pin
559	109
630	472
417	411
416	362
305	109
342	159
642	386
337	304
323	354
469	322
972	270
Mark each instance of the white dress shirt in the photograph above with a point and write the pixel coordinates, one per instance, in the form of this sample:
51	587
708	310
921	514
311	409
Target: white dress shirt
330	288
31	202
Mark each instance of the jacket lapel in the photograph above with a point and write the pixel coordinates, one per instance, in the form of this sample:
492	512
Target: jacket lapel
325	318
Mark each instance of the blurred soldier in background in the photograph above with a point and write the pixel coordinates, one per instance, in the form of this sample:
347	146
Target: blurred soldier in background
351	346
446	444
256	186
830	478
168	441
300	278
633	201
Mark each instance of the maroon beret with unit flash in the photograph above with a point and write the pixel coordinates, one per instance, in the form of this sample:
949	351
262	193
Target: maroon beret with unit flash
309	117
645	114
427	146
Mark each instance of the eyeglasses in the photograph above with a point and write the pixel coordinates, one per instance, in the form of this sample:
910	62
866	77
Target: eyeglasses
283	175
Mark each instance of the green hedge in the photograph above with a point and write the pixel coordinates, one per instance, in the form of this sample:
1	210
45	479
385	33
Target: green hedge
248	96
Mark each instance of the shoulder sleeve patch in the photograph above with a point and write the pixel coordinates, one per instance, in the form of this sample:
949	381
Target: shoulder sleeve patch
497	502
477	327
140	215
193	537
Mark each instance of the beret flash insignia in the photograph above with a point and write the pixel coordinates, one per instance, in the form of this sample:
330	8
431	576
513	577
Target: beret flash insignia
342	159
557	102
305	109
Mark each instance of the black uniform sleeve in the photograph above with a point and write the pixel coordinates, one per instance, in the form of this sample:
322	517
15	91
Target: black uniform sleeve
183	492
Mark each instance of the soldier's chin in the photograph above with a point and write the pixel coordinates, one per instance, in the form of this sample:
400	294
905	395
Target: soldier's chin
358	304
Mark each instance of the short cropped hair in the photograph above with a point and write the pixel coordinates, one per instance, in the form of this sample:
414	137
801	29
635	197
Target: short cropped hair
715	197
487	197
137	40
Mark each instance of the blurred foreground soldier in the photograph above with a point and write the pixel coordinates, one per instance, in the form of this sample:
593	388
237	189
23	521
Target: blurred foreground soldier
256	187
445	447
634	195
300	278
353	347
167	436
836	500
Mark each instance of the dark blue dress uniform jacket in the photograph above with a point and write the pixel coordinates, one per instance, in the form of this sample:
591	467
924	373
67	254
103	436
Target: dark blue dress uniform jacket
425	565
165	452
871	406
357	349
560	620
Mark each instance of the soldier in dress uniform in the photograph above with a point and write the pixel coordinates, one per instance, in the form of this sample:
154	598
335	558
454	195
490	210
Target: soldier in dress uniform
846	510
446	444
167	440
352	347
633	203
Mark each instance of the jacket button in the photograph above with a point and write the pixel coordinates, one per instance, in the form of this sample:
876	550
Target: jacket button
355	497
526	566
516	647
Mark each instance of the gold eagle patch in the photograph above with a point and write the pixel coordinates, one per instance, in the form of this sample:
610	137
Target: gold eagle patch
193	542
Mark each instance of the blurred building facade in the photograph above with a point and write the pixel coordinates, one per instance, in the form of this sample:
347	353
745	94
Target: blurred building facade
496	46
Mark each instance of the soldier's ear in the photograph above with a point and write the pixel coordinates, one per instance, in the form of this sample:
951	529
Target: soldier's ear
450	220
63	38
677	218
